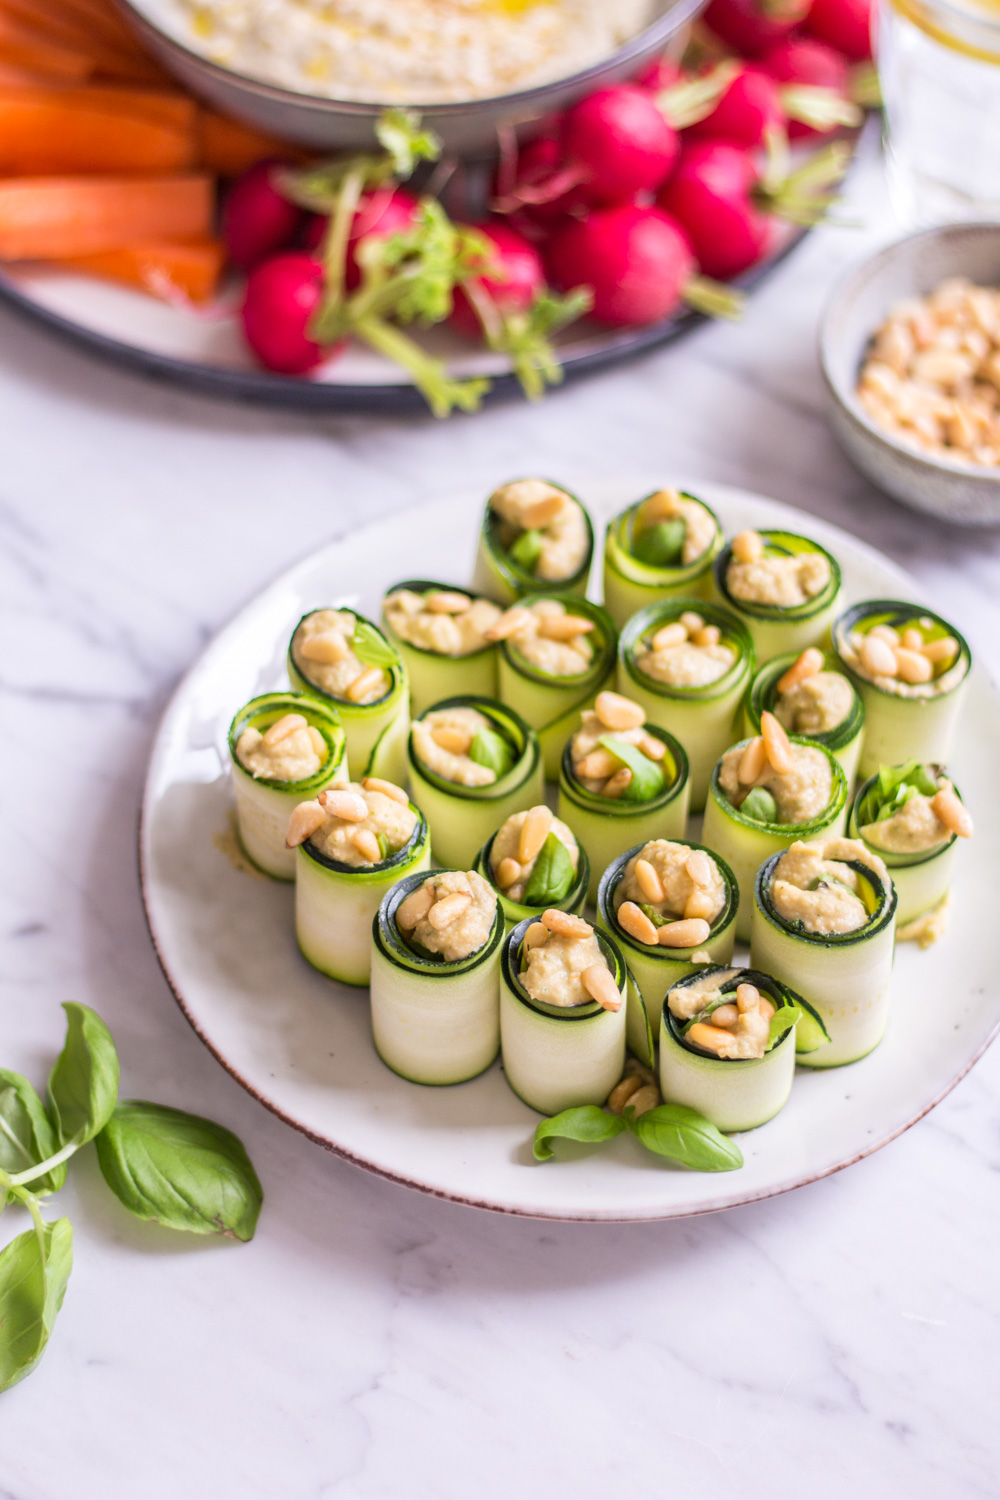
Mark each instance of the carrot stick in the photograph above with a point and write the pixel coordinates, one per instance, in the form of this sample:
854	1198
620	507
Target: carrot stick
26	48
12	77
50	218
158	105
47	132
171	272
230	148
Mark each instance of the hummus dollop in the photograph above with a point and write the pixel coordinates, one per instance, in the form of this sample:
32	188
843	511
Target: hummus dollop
447	622
538	506
465	932
801	794
814	885
778	579
323	652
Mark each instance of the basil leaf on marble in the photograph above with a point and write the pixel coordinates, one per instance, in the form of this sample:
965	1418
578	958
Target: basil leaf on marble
587	1122
183	1171
683	1135
553	874
34	1270
760	806
26	1133
661	545
526	551
491	750
83	1084
648	778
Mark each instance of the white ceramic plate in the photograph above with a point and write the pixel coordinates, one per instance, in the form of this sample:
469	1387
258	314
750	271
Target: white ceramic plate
301	1044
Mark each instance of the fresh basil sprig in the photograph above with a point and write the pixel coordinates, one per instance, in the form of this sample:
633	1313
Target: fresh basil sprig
671	1130
491	750
34	1270
893	787
26	1132
784	1018
648	776
760	806
587	1122
526	551
661	545
553	874
370	648
83	1084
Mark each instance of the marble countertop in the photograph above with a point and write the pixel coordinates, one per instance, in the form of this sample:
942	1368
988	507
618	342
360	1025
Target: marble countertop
371	1342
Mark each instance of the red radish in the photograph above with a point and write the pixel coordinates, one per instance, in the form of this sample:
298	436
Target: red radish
802	61
282	294
750	26
747	110
257	219
622	141
512	287
637	261
382	213
844	24
712	193
544	188
659	75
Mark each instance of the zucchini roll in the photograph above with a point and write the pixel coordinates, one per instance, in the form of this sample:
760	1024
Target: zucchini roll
824	921
345	661
766	793
785	588
284	748
621	781
911	817
440	634
910	667
812	696
553	662
562	1012
435	982
688	664
672	908
657	549
534	535
352	844
473	762
533	862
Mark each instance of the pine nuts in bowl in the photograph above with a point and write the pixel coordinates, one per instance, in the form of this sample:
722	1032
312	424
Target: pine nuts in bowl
914	465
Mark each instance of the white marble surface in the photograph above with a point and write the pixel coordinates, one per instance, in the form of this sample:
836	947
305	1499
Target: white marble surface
370	1342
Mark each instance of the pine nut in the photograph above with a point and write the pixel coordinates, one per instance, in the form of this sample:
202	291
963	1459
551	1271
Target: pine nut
913	666
327	646
618	712
649	881
564	627
777	745
724	1015
766	1008
283	727
912	640
878	656
651	747
689	933
387	788
599	983
508	870
708	635
751	761
674	634
634	1066
887	633
748	546
564	924
648	1097
544	512
940	650
691	621
369	680
709	1037
700	904
448	910
350	807
617	784
535	935
622	1092
547	609
455	741
447	602
952	812
807	665
635	922
317	741
367	845
598	765
303	823
414	907
699	868
510	622
534	831
747	997
665	505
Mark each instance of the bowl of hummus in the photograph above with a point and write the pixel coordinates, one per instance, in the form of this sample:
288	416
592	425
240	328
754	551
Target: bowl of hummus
320	72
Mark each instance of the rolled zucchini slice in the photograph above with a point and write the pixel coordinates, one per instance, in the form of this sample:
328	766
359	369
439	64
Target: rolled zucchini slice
555	885
783	629
704	719
745	842
433	1021
844	738
436	674
735	1093
547	701
265	803
335	903
639	569
904	720
375	731
462	818
922	874
843	975
515	559
556	1057
657	969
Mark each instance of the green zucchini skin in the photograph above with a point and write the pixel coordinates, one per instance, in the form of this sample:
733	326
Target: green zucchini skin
704	720
844	740
551	705
844	977
555	1059
899	729
462	818
602	825
630	585
375	732
335	904
734	1093
433	676
515	911
433	1023
264	805
745	845
781	630
922	880
498	577
657	970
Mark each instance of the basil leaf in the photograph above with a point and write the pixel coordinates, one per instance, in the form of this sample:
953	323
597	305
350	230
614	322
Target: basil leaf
760	806
526	551
370	647
648	778
383	846
34	1270
656	917
661	545
26	1133
781	1023
588	1122
491	750
553	874
182	1171
810	1033
684	1135
83	1084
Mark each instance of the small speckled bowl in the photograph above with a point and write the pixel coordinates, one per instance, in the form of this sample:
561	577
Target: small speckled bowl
966	494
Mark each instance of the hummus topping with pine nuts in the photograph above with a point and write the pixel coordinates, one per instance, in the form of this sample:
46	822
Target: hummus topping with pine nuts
777	579
549	636
910	663
290	749
564	965
813	885
357	824
451	914
442	740
671	505
323	653
446	621
615	717
686	653
728	1022
815	705
557	520
669	895
517	844
797	778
